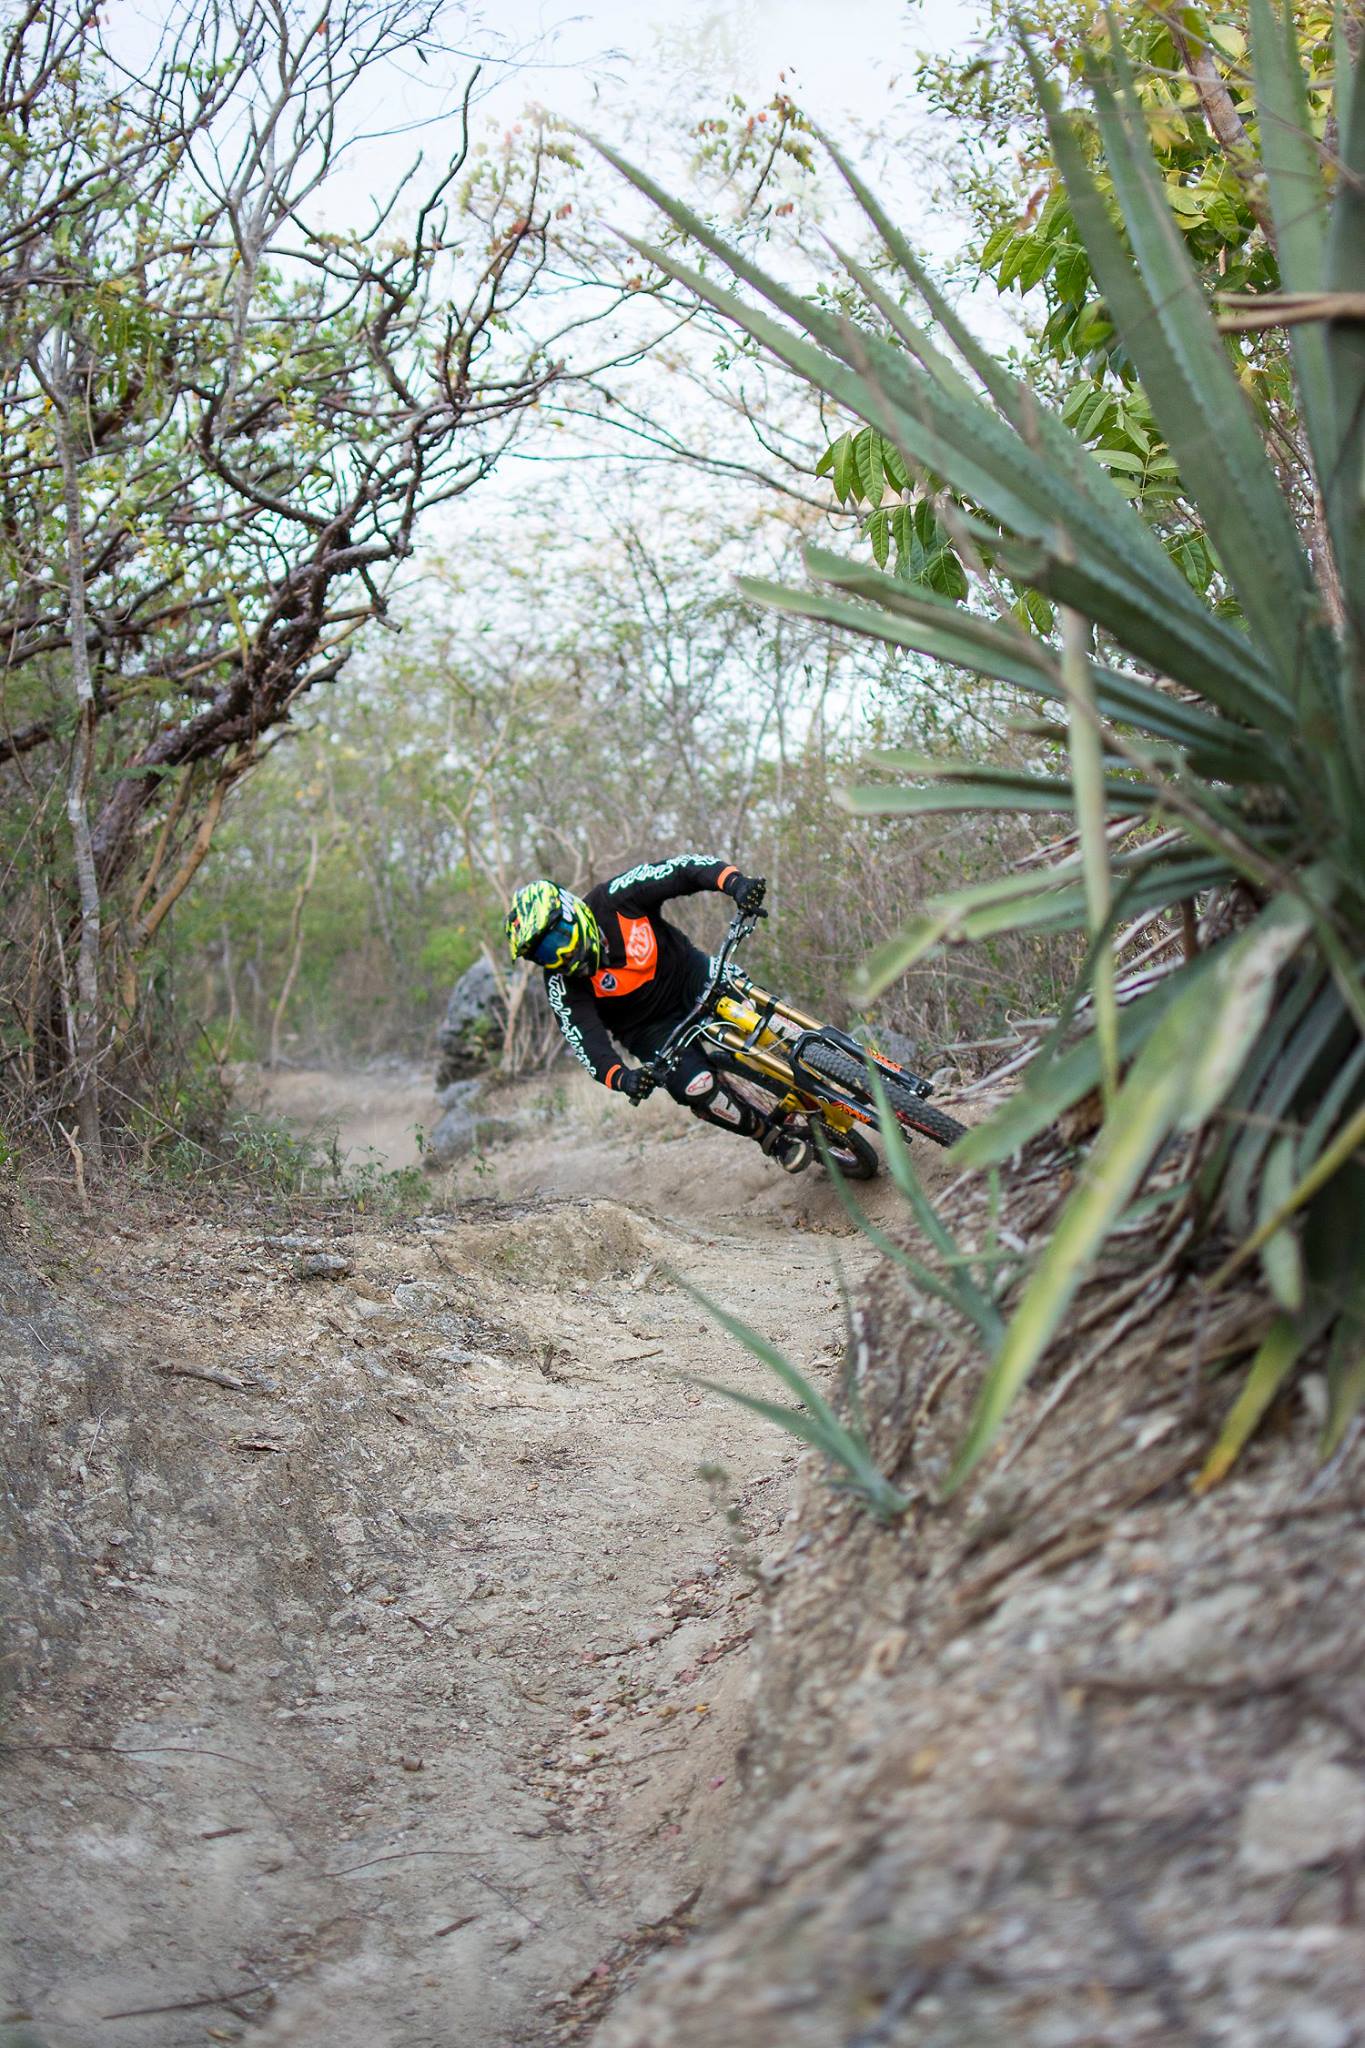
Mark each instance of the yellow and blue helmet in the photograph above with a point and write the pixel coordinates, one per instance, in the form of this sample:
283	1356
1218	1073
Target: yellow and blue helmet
554	928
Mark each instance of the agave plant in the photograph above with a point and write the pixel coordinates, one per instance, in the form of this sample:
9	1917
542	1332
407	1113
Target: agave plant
1211	756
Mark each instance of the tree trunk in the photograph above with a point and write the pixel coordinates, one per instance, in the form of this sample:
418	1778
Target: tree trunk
230	981
87	1007
296	945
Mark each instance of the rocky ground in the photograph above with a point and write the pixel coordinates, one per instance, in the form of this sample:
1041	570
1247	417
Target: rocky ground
402	1651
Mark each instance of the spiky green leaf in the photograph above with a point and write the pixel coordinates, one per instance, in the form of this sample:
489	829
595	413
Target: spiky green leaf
1344	481
1193	1054
1281	1258
1155	299
1298	199
1270	1368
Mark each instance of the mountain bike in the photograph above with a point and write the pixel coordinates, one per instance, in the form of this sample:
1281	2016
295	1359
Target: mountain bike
805	1072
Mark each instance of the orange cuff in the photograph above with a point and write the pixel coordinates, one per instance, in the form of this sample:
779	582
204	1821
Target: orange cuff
723	877
608	1079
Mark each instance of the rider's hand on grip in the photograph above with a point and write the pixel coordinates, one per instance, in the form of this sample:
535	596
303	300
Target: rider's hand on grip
635	1084
748	892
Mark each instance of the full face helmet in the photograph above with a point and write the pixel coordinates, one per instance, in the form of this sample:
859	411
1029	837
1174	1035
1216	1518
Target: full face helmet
554	928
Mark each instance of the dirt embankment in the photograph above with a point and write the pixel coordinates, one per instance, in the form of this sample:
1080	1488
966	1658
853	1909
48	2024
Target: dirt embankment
1077	1761
379	1656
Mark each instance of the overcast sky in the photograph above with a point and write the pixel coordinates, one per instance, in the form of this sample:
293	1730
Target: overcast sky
839	55
613	64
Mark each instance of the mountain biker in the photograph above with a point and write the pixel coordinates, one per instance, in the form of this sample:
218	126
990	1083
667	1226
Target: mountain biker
614	965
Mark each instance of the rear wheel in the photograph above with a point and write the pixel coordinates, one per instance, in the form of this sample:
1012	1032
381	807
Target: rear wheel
851	1074
853	1154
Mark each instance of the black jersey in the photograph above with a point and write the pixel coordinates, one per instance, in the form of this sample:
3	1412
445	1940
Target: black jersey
647	965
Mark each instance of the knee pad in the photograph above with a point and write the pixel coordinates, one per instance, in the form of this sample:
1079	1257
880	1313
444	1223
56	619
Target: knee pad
706	1098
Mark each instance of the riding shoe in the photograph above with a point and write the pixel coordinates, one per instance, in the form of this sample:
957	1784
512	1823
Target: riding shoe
789	1148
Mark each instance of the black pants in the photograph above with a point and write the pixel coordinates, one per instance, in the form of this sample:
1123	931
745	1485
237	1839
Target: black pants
694	1081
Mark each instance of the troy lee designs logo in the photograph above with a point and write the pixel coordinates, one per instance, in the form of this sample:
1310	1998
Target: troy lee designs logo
639	943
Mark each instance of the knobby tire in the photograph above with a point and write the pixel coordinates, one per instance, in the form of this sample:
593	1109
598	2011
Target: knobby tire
851	1074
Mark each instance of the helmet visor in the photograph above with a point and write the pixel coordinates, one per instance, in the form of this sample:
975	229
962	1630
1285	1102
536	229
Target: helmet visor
559	946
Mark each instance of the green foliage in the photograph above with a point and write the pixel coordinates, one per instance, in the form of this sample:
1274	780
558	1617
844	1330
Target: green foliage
192	1133
1229	769
952	1281
842	1444
866	469
446	953
394	912
1031	245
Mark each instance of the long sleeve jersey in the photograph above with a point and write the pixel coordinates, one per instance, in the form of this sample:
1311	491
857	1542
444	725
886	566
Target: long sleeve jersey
645	960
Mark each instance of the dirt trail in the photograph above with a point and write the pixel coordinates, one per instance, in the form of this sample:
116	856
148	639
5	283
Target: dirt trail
375	1114
382	1655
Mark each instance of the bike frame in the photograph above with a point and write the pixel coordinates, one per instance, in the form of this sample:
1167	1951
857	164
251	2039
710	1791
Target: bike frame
760	1034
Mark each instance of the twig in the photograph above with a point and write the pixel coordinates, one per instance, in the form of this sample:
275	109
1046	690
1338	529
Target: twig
1049	1553
616	1763
204	1372
1342	1504
937	1387
406	1855
1338	1461
141	2012
81	1468
506	1897
78	1166
1287	309
1139	1312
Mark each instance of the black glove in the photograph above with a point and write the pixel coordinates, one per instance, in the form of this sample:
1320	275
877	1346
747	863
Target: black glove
635	1084
747	890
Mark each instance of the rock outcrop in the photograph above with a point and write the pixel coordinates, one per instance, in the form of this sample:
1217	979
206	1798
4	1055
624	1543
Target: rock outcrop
472	1030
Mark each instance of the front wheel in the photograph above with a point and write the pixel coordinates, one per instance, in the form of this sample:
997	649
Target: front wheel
851	1074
